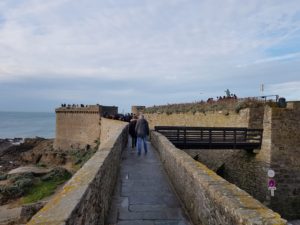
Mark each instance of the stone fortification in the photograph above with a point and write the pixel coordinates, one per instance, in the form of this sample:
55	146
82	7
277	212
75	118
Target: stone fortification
284	142
109	129
85	199
280	152
137	109
208	198
77	127
250	117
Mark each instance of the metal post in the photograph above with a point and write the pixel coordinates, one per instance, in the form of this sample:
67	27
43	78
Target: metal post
234	138
185	137
209	138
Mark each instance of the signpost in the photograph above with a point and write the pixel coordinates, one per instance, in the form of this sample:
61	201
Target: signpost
271	183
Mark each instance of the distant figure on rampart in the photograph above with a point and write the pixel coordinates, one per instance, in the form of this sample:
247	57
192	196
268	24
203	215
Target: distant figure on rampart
132	132
227	93
142	131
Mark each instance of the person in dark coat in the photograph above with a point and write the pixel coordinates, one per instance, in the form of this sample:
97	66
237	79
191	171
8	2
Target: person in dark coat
132	132
142	131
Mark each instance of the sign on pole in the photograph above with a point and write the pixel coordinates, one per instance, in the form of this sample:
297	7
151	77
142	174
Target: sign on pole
272	186
271	173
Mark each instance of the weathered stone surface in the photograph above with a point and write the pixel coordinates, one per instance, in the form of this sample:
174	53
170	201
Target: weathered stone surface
29	169
208	198
9	215
209	119
109	129
85	199
29	210
75	128
280	151
284	124
143	194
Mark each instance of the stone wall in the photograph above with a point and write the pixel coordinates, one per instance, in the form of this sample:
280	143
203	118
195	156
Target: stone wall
208	198
250	117
280	151
285	155
109	129
85	199
243	168
77	127
135	109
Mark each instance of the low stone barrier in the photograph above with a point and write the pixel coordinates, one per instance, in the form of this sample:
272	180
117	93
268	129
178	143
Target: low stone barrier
208	198
85	199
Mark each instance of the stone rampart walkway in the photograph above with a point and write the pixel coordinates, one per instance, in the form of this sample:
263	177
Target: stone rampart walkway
143	195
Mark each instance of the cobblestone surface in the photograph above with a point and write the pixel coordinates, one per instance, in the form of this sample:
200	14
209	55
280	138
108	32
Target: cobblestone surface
143	195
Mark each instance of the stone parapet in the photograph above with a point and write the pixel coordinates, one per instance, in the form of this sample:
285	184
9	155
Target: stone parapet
208	198
109	129
86	198
135	109
91	109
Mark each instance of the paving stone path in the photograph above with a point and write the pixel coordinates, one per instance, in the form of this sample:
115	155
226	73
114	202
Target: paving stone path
143	195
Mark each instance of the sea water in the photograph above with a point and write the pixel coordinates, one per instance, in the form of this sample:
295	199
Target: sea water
27	124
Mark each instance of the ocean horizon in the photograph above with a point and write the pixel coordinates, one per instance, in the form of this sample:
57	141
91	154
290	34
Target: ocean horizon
27	124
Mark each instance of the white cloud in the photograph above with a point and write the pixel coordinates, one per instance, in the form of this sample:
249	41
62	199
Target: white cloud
273	59
180	44
289	90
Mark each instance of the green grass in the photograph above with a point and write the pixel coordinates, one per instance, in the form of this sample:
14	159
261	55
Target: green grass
42	189
202	107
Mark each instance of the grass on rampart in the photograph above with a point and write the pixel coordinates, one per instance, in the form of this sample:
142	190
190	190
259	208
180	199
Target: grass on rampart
43	188
47	185
202	107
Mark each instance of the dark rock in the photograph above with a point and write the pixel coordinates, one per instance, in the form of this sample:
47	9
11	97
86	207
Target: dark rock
57	174
3	176
8	192
29	210
24	183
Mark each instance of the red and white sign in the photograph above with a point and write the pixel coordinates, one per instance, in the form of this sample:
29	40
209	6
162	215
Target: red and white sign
271	183
272	186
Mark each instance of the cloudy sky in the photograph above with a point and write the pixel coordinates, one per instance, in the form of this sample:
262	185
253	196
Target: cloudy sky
145	52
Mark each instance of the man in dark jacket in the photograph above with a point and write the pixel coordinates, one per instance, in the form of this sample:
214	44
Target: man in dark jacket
142	131
132	132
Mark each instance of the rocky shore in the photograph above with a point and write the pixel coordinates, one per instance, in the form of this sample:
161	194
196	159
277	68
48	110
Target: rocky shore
30	172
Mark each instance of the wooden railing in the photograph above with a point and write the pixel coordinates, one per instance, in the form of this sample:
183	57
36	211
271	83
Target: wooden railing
212	137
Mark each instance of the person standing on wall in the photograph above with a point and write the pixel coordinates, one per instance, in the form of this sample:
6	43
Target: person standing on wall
142	131
132	132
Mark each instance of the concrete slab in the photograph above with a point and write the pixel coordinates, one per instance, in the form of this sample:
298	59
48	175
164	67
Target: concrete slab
29	169
9	214
143	195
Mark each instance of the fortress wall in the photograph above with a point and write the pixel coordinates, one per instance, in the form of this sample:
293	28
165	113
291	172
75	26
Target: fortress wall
75	128
285	159
137	109
109	129
245	118
208	198
240	167
85	199
280	151
246	169
243	168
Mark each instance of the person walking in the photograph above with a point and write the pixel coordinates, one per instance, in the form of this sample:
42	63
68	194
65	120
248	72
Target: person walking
132	132
142	131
